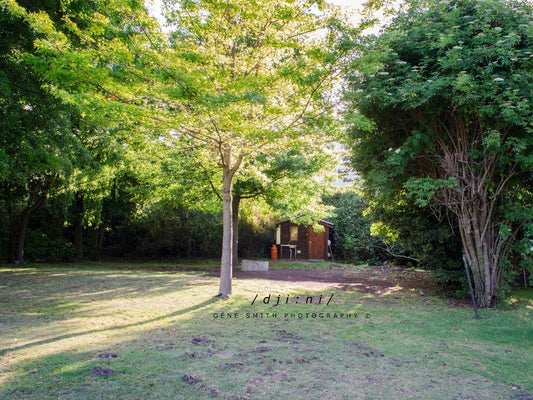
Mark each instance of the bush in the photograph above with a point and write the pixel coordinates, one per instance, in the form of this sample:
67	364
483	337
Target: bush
45	240
41	246
167	232
352	238
415	237
255	237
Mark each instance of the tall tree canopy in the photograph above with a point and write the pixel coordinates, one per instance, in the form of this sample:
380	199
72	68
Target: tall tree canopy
445	114
257	78
232	79
40	141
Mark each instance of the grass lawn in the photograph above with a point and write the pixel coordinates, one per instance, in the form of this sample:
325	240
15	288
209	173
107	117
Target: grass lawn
114	332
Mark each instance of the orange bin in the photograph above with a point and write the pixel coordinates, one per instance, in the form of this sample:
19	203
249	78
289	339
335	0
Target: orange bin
274	252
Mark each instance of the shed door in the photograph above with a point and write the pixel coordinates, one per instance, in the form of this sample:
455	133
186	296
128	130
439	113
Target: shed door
317	244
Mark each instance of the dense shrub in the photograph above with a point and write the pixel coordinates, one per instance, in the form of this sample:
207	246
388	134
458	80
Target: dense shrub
45	237
414	236
161	232
352	238
256	236
167	232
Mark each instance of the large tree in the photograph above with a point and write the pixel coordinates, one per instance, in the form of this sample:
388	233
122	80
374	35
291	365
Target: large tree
258	74
445	114
39	142
232	79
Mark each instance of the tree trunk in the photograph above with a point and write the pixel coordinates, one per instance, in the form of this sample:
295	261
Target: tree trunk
226	269
236	202
12	229
99	236
473	200
21	237
78	229
227	222
78	240
483	258
23	228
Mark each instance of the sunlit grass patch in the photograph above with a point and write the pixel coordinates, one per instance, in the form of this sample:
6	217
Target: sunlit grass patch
94	333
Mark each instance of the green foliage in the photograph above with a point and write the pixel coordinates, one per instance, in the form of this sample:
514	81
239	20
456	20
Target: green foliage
352	237
282	174
41	142
444	114
48	247
423	64
423	189
169	233
414	236
257	231
231	80
520	260
291	187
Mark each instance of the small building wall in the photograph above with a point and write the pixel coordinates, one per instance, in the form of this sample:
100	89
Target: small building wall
309	244
303	242
285	231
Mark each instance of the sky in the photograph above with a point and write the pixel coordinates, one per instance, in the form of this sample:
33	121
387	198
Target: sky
155	5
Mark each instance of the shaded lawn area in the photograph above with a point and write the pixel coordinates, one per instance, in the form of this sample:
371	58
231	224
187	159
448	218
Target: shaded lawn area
71	332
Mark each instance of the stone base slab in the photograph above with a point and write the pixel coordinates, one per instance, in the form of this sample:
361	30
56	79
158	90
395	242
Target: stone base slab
251	265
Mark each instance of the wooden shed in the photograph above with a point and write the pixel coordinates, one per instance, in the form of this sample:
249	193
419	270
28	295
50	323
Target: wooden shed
300	241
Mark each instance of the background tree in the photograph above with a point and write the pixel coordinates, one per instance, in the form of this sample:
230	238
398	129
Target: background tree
59	147
444	99
288	171
39	145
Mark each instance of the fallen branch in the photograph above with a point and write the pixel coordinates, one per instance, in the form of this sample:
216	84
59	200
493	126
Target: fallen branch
389	251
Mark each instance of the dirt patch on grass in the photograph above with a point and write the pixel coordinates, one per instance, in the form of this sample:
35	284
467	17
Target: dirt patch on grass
99	372
373	280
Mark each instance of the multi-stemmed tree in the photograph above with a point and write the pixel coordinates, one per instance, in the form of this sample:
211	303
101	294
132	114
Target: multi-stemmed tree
445	114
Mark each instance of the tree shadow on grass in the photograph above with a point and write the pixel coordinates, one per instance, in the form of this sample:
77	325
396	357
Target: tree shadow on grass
187	310
204	357
33	298
61	284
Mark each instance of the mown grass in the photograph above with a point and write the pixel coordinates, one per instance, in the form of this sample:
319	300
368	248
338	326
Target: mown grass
61	326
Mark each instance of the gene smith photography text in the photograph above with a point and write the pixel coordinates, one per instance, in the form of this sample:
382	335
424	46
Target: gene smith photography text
289	315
